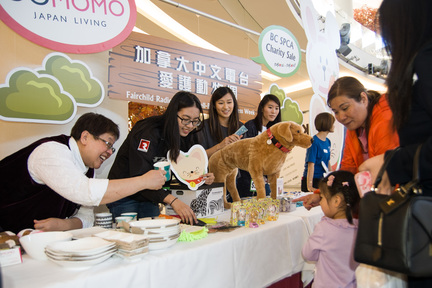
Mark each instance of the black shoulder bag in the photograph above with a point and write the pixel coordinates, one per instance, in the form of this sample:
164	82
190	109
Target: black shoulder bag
395	231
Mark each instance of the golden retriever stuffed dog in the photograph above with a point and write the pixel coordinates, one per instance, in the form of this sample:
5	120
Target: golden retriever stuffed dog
262	155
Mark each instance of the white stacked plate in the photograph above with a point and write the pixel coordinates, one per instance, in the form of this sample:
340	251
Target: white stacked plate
162	242
81	253
162	233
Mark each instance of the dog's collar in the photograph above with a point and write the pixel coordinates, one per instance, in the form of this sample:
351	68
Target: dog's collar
273	140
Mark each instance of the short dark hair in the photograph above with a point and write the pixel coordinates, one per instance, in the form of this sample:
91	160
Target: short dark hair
324	121
95	124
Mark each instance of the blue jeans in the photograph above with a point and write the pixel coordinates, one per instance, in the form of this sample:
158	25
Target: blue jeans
144	209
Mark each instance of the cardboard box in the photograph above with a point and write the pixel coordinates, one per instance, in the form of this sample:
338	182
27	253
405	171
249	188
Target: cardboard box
10	256
206	201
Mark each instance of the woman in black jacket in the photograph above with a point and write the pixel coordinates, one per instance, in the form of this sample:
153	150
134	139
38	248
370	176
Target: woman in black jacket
268	114
408	41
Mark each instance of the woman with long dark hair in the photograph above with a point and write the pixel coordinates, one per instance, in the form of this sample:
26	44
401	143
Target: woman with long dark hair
268	114
406	29
147	143
223	121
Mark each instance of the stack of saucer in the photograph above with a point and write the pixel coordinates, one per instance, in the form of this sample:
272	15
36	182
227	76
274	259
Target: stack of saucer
104	220
129	246
81	253
162	233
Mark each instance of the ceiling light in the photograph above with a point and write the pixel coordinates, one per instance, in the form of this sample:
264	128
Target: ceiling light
297	87
368	84
269	76
159	17
136	29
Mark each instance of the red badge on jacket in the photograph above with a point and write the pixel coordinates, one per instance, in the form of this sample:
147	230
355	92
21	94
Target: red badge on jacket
144	145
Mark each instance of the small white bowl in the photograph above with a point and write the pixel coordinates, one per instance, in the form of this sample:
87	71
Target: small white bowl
34	244
103	215
122	218
98	223
107	226
104	219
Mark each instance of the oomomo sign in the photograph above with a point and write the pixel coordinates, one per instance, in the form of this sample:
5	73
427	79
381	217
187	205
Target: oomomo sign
72	26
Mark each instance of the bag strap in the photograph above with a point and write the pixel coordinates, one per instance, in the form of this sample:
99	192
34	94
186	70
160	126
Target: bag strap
412	185
383	168
403	193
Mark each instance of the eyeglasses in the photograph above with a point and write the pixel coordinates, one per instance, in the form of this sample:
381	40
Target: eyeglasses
188	121
108	144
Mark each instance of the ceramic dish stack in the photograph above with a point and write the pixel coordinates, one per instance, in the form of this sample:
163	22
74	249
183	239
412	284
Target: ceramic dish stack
162	233
104	220
129	246
81	253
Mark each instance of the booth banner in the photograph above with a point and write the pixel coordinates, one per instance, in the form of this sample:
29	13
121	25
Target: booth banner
151	70
71	26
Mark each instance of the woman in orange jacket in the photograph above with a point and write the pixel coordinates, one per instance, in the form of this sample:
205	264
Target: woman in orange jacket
369	121
368	118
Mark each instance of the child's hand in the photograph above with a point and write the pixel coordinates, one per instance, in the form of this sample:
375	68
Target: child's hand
309	201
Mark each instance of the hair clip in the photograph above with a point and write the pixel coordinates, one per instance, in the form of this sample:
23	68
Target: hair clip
345	184
330	180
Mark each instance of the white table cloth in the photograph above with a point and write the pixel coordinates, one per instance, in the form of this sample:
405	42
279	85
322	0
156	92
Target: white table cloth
310	217
246	257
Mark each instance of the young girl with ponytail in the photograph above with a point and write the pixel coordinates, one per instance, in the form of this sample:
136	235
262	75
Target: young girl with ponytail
332	242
